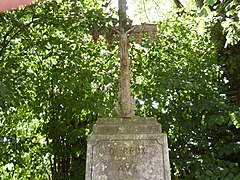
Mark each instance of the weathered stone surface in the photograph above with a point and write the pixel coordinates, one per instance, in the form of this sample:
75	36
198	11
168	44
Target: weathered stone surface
127	149
132	126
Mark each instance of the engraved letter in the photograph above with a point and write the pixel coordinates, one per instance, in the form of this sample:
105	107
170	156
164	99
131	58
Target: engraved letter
120	168
132	152
143	150
125	150
134	168
111	151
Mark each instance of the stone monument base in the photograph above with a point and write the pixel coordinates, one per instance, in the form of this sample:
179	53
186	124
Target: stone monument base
127	149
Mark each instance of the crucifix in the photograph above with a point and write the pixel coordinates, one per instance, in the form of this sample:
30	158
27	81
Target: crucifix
113	138
125	106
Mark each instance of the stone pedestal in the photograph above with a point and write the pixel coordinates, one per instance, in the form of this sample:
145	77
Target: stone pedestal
127	149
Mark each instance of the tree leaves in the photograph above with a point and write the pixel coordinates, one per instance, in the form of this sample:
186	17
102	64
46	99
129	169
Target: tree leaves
54	72
55	83
205	11
179	72
210	2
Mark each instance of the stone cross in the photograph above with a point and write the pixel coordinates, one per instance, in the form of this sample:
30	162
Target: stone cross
125	106
136	148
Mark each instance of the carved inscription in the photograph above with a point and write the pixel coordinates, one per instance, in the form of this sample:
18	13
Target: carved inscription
128	159
125	157
129	150
128	168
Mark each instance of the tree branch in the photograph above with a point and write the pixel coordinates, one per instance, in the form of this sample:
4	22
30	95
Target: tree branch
178	4
145	10
6	42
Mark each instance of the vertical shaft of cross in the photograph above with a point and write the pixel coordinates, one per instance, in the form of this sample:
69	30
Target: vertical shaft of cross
125	106
122	12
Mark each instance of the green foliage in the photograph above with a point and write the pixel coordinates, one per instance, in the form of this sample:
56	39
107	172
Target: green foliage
225	13
22	146
55	83
178	80
205	11
210	2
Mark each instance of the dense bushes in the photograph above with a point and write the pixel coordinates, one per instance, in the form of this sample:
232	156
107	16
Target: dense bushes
55	82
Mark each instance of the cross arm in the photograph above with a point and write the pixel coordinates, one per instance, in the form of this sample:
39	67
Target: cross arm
135	31
151	29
